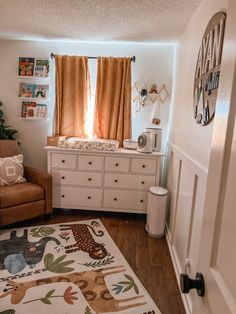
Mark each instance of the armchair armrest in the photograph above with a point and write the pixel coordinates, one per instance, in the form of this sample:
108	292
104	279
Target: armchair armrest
45	181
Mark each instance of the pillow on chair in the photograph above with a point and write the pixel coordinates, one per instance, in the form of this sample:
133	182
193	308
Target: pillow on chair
11	170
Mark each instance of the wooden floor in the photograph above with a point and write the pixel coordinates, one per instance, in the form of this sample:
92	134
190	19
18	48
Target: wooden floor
148	257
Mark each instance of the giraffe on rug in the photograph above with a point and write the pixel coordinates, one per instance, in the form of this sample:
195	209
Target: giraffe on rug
91	283
84	240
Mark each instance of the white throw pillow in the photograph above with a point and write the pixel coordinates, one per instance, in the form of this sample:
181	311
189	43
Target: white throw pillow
11	170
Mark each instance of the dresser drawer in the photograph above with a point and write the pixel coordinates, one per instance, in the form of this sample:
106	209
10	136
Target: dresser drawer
88	162
77	178
117	164
142	165
129	181
75	197
64	161
125	199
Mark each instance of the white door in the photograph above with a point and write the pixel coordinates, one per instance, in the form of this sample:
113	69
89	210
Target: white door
217	257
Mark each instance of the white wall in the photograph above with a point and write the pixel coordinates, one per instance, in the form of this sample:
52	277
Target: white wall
154	64
189	150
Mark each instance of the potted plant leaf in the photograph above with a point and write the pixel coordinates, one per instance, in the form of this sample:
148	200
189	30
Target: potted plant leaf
6	132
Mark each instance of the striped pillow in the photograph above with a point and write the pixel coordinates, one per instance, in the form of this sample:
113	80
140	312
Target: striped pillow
11	170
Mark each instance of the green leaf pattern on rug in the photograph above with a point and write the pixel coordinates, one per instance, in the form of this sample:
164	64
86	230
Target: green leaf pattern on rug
127	285
65	236
104	262
57	265
68	296
8	312
42	232
87	310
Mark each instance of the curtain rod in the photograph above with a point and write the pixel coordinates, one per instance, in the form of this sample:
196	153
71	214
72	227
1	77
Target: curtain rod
133	59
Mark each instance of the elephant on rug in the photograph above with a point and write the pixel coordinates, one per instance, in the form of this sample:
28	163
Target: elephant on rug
19	252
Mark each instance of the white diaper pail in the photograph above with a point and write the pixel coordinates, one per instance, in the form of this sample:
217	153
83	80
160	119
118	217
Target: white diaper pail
156	211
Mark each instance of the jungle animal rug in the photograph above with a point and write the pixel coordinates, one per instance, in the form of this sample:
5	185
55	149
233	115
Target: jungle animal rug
67	268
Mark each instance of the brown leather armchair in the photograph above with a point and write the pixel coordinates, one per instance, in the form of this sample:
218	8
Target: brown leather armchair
25	200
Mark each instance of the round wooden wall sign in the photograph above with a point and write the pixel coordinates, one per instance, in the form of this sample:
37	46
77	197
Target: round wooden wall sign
207	73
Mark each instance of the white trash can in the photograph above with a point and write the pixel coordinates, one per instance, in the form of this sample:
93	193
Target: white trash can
156	211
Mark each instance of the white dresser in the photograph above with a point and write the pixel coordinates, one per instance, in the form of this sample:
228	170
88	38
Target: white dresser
115	181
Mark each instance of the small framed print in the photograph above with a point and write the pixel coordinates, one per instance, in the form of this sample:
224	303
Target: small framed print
163	93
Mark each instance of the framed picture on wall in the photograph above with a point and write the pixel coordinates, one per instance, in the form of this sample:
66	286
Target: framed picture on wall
41	68
27	90
33	67
28	109
32	90
26	66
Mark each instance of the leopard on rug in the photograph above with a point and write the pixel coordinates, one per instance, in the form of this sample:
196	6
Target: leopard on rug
67	268
85	241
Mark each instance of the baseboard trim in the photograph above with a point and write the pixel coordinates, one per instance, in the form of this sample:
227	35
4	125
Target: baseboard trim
185	297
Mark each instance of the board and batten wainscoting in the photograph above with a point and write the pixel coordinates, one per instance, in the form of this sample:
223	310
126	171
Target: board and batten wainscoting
186	185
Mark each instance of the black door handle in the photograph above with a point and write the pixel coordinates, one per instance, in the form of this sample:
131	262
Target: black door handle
186	284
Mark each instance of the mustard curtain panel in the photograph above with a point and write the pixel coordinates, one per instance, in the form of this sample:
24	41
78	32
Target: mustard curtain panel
72	95
112	117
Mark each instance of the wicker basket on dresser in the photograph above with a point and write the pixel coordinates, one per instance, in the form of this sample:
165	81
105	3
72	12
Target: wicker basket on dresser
115	181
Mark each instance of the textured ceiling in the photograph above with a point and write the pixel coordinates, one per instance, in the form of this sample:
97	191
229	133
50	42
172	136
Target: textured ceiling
99	20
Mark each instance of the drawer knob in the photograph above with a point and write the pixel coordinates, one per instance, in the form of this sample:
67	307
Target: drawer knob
116	180
142	182
115	199
90	179
117	164
89	197
63	161
143	166
63	177
90	163
63	196
141	201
